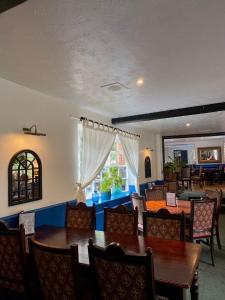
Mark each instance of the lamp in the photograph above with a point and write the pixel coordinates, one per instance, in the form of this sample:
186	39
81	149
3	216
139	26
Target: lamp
149	149
33	131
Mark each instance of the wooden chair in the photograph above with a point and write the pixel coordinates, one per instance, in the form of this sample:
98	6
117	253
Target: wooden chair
3	225
57	271
121	220
186	176
198	177
80	216
154	194
217	195
201	222
139	203
13	266
118	275
163	188
164	225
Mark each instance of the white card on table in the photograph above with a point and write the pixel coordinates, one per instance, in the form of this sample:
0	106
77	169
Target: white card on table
28	220
171	199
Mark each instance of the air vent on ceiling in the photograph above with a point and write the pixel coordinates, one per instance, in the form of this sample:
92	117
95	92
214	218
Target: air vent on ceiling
8	4
114	86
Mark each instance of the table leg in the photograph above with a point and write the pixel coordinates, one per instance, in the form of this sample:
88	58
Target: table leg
195	287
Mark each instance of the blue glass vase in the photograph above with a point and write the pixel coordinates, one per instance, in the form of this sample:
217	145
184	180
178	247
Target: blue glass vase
95	197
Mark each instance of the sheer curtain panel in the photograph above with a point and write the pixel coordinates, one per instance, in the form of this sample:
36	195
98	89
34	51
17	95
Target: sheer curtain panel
130	145
96	145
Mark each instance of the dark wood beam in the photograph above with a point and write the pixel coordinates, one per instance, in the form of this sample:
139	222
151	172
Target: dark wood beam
187	111
7	4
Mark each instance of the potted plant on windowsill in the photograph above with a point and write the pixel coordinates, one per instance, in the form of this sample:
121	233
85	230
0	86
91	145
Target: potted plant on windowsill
105	186
111	183
117	180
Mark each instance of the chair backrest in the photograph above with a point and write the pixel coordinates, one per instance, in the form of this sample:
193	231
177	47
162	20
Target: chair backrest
118	275
57	270
121	220
172	186
139	202
80	216
13	260
164	225
202	216
3	225
154	194
186	172
217	195
163	188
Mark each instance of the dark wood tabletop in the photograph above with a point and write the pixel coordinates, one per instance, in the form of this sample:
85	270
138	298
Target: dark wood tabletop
182	206
175	261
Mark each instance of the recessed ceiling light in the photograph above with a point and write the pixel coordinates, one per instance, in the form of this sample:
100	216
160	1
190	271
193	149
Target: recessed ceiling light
140	81
188	124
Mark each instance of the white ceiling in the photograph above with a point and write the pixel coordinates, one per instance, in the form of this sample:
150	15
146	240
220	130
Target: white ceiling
70	48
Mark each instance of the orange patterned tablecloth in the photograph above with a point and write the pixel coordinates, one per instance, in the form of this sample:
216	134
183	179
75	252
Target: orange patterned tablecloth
182	205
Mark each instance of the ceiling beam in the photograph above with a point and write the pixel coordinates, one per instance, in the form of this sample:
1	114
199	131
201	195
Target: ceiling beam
172	113
7	4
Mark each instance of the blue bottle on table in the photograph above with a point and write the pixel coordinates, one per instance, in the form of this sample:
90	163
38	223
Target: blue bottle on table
95	197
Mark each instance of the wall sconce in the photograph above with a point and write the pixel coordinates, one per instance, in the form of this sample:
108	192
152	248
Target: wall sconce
33	131
149	149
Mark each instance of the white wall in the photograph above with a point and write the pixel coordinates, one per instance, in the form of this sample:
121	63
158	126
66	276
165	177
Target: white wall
23	107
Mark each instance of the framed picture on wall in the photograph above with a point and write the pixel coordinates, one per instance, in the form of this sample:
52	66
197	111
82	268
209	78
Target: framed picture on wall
209	154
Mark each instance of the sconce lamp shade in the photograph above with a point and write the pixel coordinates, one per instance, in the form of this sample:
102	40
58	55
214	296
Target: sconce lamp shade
33	131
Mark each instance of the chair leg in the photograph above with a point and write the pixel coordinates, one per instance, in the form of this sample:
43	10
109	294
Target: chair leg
218	236
212	249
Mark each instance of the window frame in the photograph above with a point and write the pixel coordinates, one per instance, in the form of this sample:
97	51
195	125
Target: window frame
38	169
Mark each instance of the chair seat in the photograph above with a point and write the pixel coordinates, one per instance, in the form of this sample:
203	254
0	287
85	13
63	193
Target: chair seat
202	234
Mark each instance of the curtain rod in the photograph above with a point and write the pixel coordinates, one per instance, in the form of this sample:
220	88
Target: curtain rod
114	128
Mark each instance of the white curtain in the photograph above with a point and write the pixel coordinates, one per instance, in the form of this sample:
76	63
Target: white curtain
130	145
96	146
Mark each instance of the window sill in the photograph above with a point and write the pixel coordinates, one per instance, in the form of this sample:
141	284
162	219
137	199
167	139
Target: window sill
102	203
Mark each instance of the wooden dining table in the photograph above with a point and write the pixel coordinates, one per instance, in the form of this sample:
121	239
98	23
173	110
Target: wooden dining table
175	262
182	206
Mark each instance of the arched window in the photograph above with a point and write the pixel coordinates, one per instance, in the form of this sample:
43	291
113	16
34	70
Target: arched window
25	178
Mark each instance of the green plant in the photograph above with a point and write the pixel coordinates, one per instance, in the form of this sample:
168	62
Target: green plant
106	183
171	165
111	179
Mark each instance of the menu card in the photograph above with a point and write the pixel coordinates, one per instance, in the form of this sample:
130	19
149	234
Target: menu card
171	199
28	220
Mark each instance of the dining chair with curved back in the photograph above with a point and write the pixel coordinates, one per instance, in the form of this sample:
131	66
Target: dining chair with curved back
154	194
217	195
13	264
121	220
121	275
164	225
139	203
57	271
80	216
198	177
201	222
186	176
163	187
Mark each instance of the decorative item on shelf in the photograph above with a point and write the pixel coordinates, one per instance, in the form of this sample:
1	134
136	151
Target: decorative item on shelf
33	131
95	197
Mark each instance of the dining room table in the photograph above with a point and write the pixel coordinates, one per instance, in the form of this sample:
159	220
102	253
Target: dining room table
181	206
175	262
